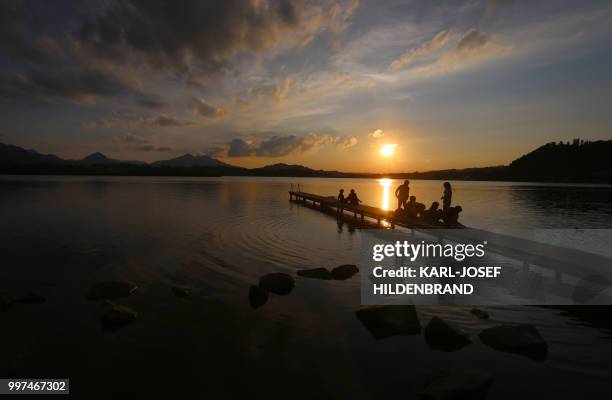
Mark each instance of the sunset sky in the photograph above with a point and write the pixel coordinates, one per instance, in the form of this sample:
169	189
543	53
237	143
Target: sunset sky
324	84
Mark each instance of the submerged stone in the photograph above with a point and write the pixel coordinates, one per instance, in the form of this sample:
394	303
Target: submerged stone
482	314
315	273
110	289
257	296
31	298
389	320
115	316
439	334
521	339
458	384
180	292
277	283
344	271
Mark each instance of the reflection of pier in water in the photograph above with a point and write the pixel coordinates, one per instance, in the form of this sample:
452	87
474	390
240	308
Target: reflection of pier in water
590	273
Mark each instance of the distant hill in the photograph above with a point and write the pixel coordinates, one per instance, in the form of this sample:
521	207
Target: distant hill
579	160
18	155
189	160
282	169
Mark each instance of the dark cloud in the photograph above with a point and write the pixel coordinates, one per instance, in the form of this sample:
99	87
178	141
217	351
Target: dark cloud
240	148
167	120
169	34
472	40
279	146
150	147
207	110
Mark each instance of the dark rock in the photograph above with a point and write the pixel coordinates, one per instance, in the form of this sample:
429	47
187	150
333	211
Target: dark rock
31	298
277	283
344	272
315	273
110	289
385	321
522	339
257	296
180	292
115	316
458	384
482	314
6	301
439	334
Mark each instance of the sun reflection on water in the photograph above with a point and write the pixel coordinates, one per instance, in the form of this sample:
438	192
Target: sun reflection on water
386	184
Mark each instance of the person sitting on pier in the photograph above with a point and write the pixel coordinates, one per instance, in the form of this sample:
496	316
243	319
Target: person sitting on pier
402	192
451	215
448	195
352	198
414	209
433	214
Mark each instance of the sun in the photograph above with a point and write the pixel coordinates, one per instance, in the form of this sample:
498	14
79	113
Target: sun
387	150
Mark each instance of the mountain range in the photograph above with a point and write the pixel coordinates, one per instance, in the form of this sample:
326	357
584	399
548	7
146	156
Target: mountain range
576	161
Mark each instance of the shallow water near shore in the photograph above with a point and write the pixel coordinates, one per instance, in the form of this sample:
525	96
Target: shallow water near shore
217	236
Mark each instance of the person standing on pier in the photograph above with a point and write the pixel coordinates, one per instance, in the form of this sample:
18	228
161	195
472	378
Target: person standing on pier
448	195
402	193
352	198
341	201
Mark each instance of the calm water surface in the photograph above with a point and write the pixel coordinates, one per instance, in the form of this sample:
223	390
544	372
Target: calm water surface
59	235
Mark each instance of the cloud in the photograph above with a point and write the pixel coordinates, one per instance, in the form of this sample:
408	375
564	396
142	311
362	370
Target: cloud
377	133
138	143
422	50
472	41
164	120
207	110
150	147
166	34
281	145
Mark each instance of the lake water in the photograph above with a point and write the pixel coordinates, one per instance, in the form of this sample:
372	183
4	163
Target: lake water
60	235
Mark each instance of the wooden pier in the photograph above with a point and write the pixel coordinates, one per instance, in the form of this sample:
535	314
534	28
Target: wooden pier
562	260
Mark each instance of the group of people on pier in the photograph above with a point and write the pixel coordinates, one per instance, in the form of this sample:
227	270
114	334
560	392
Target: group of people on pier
408	207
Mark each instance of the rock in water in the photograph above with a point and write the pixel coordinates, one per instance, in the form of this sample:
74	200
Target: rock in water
180	292
257	296
6	301
110	290
522	339
315	273
482	314
344	272
439	334
385	321
277	283
115	316
458	384
31	298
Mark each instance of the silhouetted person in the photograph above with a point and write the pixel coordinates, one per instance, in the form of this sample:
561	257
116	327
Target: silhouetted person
352	198
341	201
448	195
402	192
433	214
451	215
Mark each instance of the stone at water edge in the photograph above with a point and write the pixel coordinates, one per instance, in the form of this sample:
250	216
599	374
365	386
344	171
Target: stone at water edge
181	292
385	321
115	316
6	301
110	289
344	272
482	314
257	296
277	283
459	384
315	273
439	334
31	298
521	339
